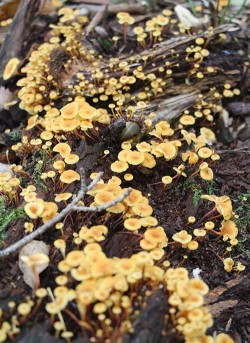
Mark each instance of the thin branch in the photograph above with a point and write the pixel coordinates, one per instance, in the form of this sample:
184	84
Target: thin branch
72	206
105	206
96	20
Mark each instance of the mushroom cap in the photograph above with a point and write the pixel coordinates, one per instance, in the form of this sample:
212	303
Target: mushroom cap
128	177
52	308
30	197
92	248
164	129
63	148
182	237
68	124
50	209
117	208
74	258
60	244
223	338
46	135
228	264
34	209
149	160
187	120
59	165
207	174
205	152
157	235
63	196
200	232
191	156
149	221
157	254
24	309
143	147
134	157
224	206
229	229
10	68
122	156
199	286
125	266
166	179
32	121
168	149
135	197
119	166
103	267
35	259
142	210
115	180
86	111
103	197
207	134
70	110
193	245
69	176
147	245
71	159
132	224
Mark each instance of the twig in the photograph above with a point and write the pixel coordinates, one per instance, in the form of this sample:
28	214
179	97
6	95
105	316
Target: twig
105	206
72	206
239	150
96	20
114	9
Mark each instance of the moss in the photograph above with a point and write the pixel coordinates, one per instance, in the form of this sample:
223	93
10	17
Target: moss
14	135
242	209
7	215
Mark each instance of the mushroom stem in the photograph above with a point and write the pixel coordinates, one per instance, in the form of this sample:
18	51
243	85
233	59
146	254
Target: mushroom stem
36	278
208	214
125	26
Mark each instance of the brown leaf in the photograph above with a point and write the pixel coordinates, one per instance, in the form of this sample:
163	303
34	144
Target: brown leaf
32	248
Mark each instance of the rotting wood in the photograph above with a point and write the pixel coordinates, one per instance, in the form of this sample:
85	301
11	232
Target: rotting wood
19	30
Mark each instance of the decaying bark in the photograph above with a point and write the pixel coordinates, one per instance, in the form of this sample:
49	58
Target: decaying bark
19	30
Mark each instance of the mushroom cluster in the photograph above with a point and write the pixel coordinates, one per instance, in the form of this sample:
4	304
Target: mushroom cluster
66	88
9	185
105	286
146	153
38	208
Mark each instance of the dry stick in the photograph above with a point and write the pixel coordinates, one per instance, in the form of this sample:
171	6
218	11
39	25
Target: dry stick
72	206
105	206
94	6
96	20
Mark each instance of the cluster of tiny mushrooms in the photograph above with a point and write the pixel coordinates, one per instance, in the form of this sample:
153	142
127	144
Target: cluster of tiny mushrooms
103	289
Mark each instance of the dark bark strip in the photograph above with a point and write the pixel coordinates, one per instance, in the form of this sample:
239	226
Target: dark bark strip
19	30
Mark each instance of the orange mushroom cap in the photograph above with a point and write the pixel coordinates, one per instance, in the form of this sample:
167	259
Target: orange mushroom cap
69	176
63	148
10	68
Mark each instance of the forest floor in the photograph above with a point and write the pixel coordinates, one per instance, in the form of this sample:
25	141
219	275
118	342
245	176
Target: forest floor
98	147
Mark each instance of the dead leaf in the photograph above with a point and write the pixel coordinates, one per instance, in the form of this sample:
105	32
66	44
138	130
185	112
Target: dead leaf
213	295
217	308
5	168
188	19
32	248
8	9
